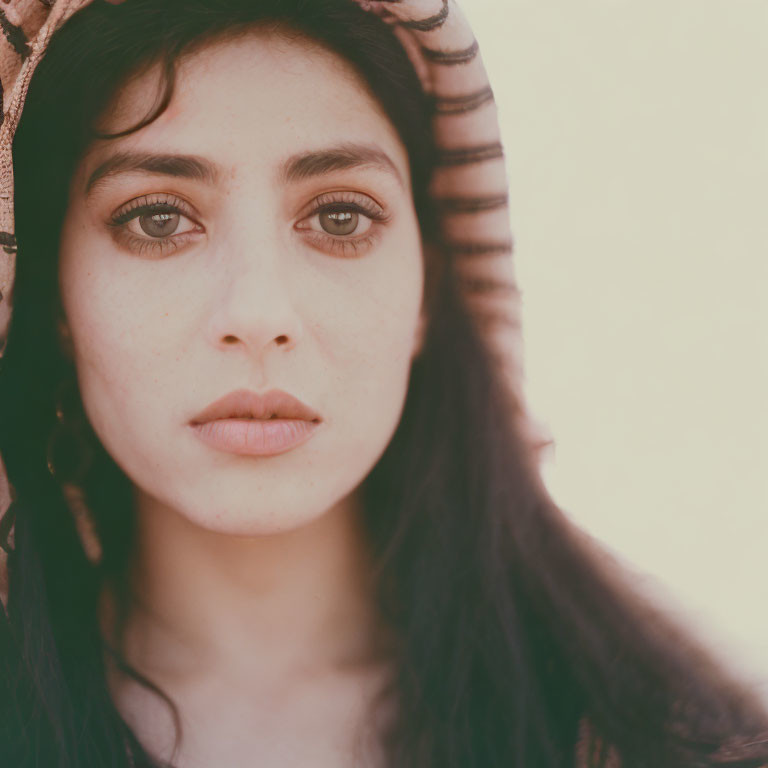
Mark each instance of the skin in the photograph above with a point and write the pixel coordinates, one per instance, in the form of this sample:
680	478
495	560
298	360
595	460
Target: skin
252	603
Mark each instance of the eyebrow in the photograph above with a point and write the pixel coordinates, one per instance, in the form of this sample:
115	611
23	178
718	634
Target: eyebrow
296	168
339	158
181	166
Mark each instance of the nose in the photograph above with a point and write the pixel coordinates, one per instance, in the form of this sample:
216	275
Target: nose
257	307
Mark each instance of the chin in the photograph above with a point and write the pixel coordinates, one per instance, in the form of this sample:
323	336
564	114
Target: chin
260	509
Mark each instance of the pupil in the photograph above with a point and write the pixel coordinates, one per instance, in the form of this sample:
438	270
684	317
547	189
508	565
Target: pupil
339	223
159	224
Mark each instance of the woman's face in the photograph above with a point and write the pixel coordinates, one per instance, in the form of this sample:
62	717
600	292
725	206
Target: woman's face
280	250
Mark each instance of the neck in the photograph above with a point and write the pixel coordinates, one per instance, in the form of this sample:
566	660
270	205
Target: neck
262	608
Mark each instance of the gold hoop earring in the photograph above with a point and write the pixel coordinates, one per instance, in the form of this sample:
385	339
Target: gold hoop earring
86	528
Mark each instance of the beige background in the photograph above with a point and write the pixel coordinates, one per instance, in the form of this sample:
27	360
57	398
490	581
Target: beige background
636	134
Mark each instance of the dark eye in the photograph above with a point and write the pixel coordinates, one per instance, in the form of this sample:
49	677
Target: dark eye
343	222
153	216
158	221
340	220
339	223
159	224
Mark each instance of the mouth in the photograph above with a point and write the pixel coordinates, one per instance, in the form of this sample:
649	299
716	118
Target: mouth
255	437
244	404
246	423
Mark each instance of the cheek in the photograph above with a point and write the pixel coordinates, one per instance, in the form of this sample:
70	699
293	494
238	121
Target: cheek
117	338
107	315
115	306
378	307
375	332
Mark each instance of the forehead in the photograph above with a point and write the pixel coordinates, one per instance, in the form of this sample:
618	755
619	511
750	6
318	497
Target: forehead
253	99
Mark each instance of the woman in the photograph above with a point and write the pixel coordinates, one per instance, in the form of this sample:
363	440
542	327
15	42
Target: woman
244	216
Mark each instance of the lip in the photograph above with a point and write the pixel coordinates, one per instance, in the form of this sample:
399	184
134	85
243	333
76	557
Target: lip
255	437
244	404
246	423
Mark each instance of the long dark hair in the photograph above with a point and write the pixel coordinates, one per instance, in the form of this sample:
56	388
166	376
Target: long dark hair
512	625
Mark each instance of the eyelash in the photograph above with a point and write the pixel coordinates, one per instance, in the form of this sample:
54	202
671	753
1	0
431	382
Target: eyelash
338	202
